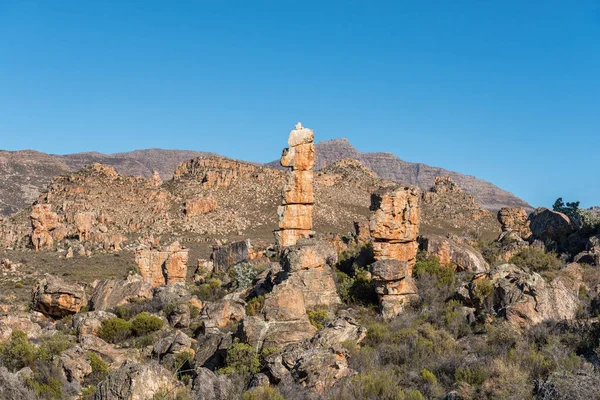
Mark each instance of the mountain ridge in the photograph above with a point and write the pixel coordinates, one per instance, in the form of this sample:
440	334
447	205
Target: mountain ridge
24	174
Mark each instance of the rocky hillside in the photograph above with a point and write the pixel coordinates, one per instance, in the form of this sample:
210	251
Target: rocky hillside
388	166
24	174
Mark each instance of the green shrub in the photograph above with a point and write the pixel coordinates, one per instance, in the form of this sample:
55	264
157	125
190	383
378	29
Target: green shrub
53	345
210	291
381	384
17	352
427	267
317	317
264	392
536	260
255	305
357	289
144	323
242	360
115	330
429	377
99	370
474	376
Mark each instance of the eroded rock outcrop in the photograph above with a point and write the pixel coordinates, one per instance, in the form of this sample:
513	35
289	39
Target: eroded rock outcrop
551	227
295	213
394	228
136	382
305	282
454	253
523	298
225	256
515	219
165	266
110	294
56	298
43	222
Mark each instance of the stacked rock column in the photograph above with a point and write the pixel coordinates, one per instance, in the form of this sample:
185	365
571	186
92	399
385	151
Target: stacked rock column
295	213
394	228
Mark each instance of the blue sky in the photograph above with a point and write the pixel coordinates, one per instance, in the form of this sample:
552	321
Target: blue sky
508	91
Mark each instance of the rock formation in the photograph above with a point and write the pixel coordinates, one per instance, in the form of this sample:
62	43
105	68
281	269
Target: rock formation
394	228
200	205
54	297
551	227
43	221
110	294
225	256
454	252
305	282
295	213
163	267
515	219
523	298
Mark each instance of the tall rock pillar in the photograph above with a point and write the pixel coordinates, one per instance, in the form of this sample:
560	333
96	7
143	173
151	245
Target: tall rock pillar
394	228
295	212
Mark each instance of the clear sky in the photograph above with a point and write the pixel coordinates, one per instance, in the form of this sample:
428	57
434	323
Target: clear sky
508	91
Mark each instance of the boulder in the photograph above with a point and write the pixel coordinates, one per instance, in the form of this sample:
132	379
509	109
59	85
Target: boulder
226	256
209	386
200	205
165	266
56	298
89	323
524	298
550	226
173	343
225	311
458	255
110	294
22	322
133	381
75	364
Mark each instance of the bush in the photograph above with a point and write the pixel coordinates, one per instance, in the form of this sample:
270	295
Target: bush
382	384
536	260
144	323
244	274
317	317
114	330
357	289
430	267
264	392
255	306
210	291
17	352
241	360
474	376
99	370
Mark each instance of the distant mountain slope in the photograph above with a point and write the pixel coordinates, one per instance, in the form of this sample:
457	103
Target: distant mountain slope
388	166
24	174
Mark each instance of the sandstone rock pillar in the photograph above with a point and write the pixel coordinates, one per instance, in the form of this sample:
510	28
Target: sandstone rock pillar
295	213
394	228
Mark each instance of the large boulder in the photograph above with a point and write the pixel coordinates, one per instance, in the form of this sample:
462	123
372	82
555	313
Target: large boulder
89	323
223	312
551	227
110	294
523	298
163	266
75	364
134	381
210	386
22	322
56	298
454	253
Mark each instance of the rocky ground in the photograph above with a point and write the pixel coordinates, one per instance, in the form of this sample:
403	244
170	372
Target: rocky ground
144	289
